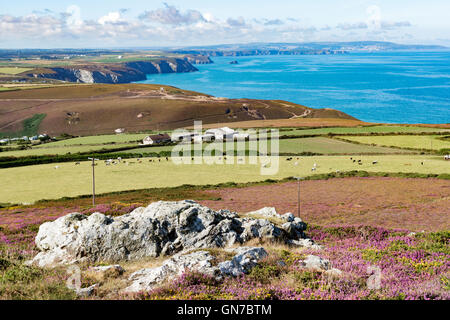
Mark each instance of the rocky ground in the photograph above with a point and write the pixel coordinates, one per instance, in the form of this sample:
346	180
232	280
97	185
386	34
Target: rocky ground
184	250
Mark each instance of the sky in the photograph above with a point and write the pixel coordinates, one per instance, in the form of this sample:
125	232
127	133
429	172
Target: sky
176	23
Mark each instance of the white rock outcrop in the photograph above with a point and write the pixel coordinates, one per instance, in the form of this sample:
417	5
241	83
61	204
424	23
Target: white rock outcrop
162	228
316	263
200	261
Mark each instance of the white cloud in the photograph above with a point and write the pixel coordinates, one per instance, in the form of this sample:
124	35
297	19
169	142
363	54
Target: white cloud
171	26
112	17
172	16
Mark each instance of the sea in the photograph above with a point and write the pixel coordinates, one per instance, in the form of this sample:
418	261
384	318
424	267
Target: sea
386	87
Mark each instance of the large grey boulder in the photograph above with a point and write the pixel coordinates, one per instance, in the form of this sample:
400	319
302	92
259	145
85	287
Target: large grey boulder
162	228
200	261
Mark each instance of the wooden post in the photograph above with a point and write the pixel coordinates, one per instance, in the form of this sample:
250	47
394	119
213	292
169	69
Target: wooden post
93	180
298	201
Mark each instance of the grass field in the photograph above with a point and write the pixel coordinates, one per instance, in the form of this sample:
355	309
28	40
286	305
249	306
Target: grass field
416	142
31	183
362	130
318	145
96	140
14	70
30	126
62	150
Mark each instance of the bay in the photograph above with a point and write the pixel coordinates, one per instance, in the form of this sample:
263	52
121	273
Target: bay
388	87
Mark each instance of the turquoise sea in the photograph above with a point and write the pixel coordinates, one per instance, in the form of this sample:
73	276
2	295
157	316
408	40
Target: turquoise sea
394	87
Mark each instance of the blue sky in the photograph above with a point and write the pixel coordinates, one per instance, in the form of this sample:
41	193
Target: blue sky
112	23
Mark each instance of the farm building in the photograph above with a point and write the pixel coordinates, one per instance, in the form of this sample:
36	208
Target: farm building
156	139
224	133
203	137
183	136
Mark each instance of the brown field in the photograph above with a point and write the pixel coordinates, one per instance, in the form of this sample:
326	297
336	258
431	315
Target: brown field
99	109
413	204
292	123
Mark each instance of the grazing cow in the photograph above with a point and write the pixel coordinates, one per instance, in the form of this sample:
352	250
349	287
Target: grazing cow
77	163
360	163
447	157
313	169
374	162
167	159
56	167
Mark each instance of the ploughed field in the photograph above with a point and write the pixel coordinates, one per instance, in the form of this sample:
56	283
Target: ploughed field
51	181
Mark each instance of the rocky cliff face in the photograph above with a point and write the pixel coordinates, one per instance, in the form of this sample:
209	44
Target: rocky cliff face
116	73
198	59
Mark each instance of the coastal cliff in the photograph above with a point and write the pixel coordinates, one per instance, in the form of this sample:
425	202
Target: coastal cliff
115	73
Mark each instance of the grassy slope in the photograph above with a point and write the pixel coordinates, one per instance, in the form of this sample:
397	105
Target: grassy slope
30	127
364	130
417	142
13	71
118	106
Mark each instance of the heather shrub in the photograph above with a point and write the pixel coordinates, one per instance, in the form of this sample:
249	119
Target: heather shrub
265	273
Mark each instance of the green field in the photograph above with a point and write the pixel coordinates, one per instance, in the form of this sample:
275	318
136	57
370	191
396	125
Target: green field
415	142
318	145
14	70
62	150
96	140
30	127
362	130
32	183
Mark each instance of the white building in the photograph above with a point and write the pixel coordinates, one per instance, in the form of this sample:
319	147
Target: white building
224	133
204	137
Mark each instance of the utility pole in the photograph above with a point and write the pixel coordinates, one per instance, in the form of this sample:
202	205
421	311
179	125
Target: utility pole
298	191
93	180
298	195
